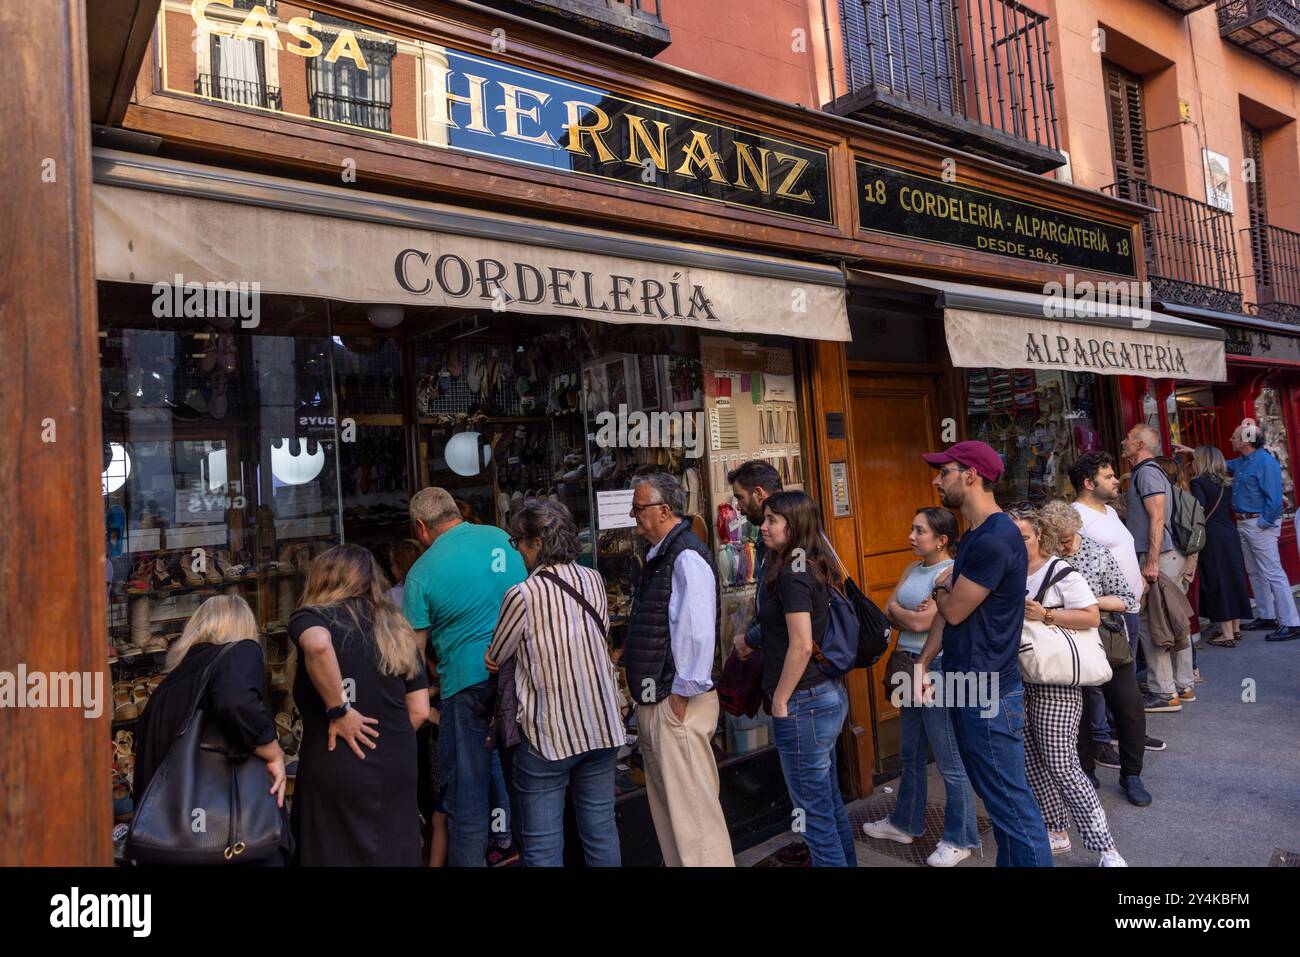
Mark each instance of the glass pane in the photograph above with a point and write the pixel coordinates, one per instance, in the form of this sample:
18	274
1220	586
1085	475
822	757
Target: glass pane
1272	421
1039	423
220	471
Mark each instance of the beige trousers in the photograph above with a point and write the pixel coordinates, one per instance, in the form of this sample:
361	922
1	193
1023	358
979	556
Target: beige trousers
681	778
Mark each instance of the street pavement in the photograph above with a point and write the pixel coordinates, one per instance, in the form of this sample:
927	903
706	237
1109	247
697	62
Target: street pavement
1226	791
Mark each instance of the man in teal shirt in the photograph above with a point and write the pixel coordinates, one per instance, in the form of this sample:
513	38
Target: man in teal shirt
452	596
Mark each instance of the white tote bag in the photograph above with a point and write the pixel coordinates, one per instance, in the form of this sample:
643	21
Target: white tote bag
1052	655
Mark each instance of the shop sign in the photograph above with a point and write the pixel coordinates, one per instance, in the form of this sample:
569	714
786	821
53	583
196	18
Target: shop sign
922	207
1261	345
479	105
984	340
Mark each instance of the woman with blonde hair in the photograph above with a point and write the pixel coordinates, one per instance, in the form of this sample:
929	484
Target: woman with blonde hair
1224	599
1057	594
233	696
1120	694
362	681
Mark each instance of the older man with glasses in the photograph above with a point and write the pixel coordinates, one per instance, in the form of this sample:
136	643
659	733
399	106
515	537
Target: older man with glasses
671	642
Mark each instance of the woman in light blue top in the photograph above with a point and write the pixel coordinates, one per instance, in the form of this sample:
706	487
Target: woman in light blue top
934	539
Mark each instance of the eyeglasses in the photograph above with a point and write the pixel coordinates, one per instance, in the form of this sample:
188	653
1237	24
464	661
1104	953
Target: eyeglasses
637	509
943	472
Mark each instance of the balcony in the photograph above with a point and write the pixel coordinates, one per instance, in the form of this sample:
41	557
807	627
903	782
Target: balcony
1190	249
354	112
634	25
1277	272
240	92
1267	28
1186	6
972	74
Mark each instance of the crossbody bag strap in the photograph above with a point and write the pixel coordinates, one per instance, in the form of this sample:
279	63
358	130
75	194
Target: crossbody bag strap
578	597
1051	578
1216	503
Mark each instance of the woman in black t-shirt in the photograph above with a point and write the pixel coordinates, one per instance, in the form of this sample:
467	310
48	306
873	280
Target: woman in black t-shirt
362	689
808	707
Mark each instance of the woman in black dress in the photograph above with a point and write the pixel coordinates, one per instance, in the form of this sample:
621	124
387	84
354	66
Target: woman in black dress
233	696
362	690
1224	598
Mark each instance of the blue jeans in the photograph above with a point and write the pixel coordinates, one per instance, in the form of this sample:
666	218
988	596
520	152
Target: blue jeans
993	751
805	742
466	766
917	727
541	784
502	820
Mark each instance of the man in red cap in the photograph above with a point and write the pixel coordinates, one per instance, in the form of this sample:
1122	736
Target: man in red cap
981	604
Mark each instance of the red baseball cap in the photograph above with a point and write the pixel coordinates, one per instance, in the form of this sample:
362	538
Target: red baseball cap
979	456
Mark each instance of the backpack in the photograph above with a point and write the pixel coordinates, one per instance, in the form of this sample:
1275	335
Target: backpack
1185	517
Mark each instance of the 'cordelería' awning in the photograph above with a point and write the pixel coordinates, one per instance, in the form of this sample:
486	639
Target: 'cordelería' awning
1106	333
158	219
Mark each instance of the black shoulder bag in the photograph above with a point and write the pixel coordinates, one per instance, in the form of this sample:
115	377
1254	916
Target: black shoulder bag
239	820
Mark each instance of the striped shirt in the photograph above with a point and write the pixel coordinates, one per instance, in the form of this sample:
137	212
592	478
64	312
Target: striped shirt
564	677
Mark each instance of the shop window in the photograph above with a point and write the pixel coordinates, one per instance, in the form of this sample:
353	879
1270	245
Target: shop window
1271	418
232	456
1039	423
343	91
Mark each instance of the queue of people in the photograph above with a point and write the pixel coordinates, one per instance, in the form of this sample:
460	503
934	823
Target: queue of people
493	646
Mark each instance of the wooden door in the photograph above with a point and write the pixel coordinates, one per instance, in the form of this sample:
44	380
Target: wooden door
894	424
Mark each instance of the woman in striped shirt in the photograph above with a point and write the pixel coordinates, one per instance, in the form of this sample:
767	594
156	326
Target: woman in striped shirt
555	624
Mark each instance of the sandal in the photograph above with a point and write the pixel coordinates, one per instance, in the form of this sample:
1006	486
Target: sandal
141	577
124	709
1220	642
123	806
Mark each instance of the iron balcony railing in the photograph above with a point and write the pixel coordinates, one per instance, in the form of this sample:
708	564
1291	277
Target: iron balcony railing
983	63
355	112
1191	252
1277	272
243	92
1267	28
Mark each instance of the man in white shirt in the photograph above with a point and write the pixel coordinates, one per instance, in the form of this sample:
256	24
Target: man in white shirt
672	638
1096	485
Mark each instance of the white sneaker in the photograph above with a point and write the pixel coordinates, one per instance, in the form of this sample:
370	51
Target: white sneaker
1059	841
947	855
884	830
1111	858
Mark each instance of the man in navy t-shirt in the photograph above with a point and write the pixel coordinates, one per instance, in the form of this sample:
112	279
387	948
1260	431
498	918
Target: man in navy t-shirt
981	604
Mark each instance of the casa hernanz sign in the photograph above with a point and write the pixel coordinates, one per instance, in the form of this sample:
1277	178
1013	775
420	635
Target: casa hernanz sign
478	105
921	207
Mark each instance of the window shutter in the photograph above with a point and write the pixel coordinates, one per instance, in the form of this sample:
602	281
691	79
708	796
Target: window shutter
913	49
1127	127
1252	142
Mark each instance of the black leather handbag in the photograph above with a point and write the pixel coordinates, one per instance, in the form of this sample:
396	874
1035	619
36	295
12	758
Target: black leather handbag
208	803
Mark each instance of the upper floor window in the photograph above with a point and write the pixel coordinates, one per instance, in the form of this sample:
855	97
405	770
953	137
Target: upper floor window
1128	128
344	91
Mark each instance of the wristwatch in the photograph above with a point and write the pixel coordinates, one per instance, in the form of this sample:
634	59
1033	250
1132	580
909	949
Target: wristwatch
1047	617
934	595
335	713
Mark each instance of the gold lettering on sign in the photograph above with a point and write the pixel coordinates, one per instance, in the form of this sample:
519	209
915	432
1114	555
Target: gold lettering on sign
745	160
199	11
699	153
513	111
577	129
347	46
792	178
443	99
639	134
304	43
259	23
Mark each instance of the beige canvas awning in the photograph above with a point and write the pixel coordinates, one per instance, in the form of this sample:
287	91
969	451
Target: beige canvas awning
1113	335
156	220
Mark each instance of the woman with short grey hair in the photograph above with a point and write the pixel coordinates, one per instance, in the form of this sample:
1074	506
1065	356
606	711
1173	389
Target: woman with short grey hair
554	624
